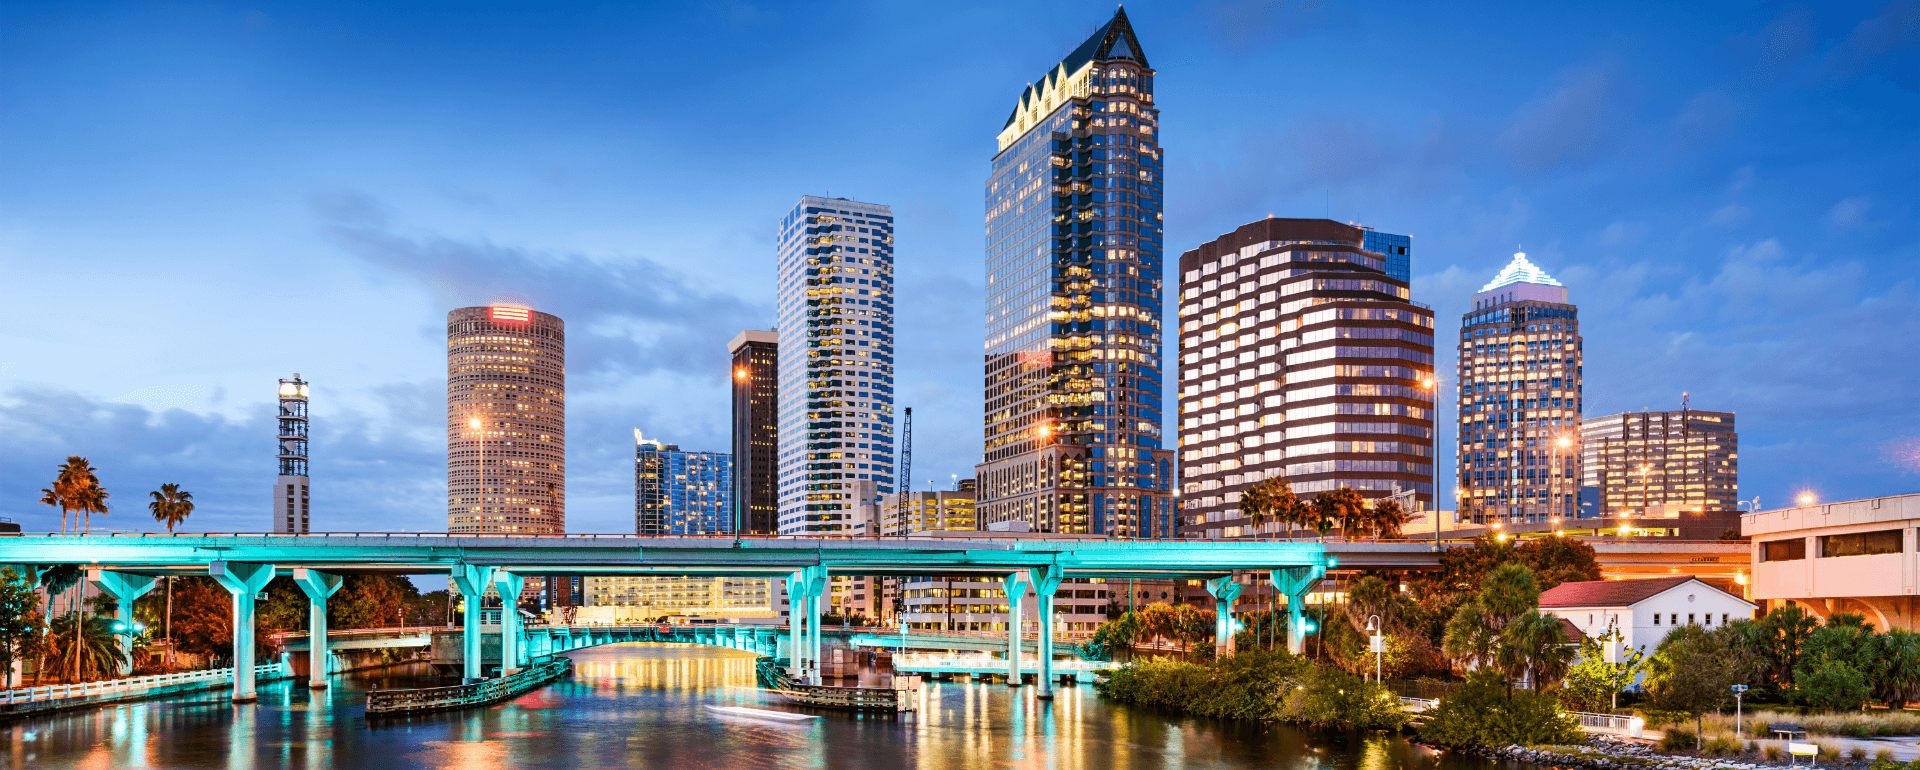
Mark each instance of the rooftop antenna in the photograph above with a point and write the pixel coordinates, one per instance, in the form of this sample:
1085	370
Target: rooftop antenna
906	454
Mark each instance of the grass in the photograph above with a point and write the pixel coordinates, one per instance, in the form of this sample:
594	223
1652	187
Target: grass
1852	724
1882	757
1857	753
1774	753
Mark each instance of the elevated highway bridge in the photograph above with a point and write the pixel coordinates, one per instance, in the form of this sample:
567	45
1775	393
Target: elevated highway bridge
127	565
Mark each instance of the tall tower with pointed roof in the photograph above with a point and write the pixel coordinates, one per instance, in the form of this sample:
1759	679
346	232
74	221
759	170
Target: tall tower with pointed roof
1073	326
1520	400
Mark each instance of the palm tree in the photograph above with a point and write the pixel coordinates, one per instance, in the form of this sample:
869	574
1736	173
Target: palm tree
171	505
66	487
1387	519
1533	644
90	497
92	645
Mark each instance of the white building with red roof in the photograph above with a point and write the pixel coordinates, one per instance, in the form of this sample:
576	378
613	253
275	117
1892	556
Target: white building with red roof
1643	611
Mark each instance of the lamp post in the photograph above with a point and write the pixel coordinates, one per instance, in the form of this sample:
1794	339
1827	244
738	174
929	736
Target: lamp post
1431	384
1739	691
1379	645
1562	455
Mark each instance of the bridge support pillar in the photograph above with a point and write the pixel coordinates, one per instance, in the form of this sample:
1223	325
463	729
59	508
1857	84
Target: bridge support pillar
1016	590
1296	583
243	581
471	580
509	585
1046	580
124	588
318	586
804	588
1225	591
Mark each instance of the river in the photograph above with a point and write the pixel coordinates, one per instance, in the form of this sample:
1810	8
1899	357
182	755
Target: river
647	706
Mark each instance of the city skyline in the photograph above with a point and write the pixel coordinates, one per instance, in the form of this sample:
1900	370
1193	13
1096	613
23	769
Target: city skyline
1735	280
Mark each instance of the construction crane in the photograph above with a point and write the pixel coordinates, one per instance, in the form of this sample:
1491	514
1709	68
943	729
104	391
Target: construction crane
905	481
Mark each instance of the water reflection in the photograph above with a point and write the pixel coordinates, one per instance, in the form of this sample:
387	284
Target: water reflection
636	705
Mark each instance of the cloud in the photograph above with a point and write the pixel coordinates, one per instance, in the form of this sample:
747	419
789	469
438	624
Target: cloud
1849	213
1621	234
365	478
1706	116
1771	53
1887	43
626	316
1241	26
1586	114
1730	214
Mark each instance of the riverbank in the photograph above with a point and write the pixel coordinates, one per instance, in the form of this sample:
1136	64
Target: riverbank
1611	753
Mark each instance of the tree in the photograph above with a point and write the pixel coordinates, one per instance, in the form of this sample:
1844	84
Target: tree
1533	646
1485	713
1473	634
20	621
1898	682
1836	662
1341	507
1693	672
171	505
1388	517
1557	560
1593	683
1784	632
88	640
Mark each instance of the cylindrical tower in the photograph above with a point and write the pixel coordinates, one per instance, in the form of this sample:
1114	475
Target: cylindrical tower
506	421
290	488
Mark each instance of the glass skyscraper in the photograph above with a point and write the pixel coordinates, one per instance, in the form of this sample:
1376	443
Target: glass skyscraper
836	360
1073	311
1520	401
676	492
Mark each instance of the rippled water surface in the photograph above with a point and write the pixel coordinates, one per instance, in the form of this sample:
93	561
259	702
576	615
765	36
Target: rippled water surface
640	705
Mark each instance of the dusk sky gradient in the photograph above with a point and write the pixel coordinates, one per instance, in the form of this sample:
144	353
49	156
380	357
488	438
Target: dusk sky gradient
199	199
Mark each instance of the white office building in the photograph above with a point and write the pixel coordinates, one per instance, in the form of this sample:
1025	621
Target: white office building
836	362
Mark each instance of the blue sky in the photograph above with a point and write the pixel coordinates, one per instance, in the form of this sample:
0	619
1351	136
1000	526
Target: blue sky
198	199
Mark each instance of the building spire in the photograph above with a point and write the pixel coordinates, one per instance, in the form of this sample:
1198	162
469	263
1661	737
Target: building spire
1520	271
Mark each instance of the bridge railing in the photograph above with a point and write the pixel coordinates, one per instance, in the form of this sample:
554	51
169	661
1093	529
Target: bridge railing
133	683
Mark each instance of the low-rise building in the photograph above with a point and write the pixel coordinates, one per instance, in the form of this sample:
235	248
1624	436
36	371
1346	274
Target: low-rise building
1642	611
1853	556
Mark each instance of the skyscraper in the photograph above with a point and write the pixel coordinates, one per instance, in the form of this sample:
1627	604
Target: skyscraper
677	492
756	423
1520	383
836	374
1073	313
506	421
1301	357
1654	463
290	488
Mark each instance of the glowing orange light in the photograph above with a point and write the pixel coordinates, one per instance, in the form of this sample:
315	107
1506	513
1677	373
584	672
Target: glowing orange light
739	374
508	314
474	423
1807	498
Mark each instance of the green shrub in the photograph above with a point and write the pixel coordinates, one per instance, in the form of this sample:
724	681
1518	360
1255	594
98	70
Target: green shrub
1331	697
1882	757
1482	713
1258	685
1679	739
1656	718
1830	684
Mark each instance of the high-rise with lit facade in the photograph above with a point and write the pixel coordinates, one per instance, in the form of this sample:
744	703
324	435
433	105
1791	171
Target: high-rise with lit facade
506	421
1654	463
290	488
835	299
1520	398
1302	357
677	492
756	430
1073	311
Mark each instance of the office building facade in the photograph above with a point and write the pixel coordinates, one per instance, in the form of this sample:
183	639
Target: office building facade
1301	358
506	421
677	492
1520	382
291	487
1073	313
836	374
756	430
646	598
1661	463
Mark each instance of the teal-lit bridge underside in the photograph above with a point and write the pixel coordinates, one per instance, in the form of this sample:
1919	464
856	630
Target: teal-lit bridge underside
127	566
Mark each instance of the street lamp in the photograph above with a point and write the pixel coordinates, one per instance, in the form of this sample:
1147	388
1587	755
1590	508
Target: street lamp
1560	447
1379	644
1431	384
1739	691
